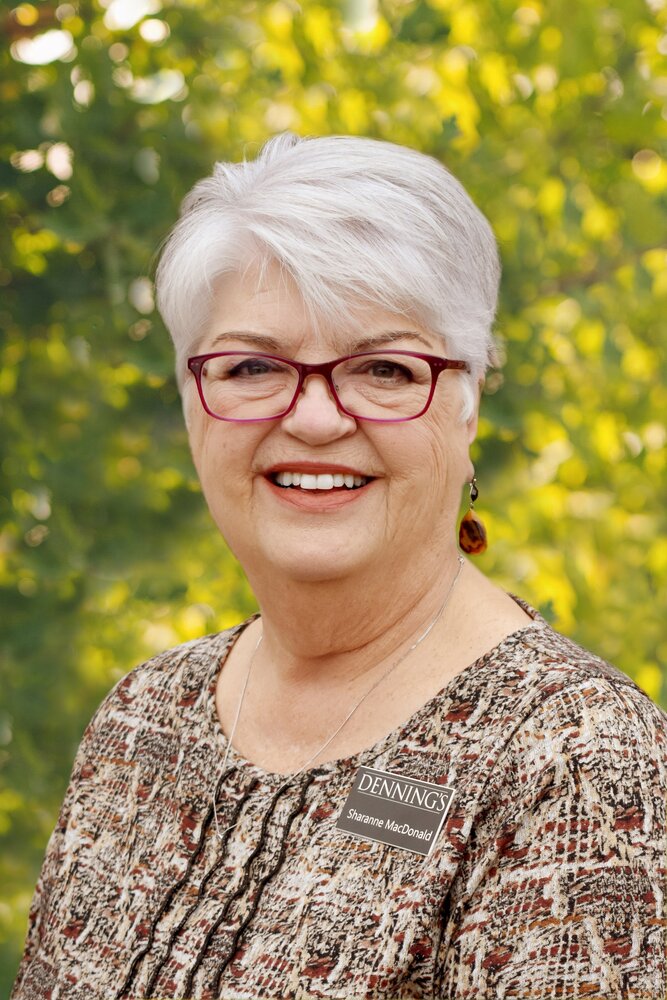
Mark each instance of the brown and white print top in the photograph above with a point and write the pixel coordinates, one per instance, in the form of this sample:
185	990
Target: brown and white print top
548	878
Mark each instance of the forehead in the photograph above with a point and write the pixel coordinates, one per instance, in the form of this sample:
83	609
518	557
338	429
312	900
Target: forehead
258	290
263	307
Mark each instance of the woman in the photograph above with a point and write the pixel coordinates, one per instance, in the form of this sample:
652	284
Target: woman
395	780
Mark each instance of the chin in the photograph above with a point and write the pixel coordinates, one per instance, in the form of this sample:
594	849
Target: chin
311	561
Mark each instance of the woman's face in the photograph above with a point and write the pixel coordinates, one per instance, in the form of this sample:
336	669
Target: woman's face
406	513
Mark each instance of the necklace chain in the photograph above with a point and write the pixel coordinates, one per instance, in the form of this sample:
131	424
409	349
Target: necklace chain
221	834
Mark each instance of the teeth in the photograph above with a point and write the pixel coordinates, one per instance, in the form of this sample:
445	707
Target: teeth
324	481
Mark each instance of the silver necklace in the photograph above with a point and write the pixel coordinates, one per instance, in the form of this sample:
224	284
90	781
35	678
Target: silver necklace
220	835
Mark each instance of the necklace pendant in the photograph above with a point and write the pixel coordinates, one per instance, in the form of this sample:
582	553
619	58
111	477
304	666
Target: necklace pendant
472	533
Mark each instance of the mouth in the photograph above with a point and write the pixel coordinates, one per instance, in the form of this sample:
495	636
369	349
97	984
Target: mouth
335	482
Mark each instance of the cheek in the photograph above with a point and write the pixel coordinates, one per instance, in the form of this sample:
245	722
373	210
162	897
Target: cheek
190	404
222	454
429	470
429	454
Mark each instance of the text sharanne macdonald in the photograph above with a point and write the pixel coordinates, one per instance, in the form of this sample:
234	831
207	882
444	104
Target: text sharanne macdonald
389	824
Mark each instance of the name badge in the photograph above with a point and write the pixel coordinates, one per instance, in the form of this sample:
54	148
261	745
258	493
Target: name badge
392	809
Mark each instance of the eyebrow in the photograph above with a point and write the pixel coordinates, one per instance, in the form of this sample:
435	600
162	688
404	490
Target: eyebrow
248	337
388	336
271	344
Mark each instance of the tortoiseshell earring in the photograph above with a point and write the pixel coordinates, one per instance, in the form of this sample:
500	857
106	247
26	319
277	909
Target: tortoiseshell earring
472	533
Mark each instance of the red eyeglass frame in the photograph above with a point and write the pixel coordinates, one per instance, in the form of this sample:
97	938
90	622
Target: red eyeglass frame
325	368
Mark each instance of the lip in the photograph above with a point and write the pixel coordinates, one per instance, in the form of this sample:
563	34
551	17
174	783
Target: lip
317	500
314	467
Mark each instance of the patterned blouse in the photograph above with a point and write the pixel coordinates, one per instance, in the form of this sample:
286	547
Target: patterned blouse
548	877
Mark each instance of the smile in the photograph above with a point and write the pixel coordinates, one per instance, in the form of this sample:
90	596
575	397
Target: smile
321	481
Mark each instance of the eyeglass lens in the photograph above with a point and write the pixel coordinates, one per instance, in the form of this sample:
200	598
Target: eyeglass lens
244	386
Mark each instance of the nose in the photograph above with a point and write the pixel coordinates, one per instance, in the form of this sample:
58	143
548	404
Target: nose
316	416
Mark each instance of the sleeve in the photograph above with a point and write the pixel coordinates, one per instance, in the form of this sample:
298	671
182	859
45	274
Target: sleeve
562	893
58	865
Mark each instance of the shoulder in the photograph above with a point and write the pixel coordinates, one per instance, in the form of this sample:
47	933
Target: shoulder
595	721
583	715
166	689
537	663
567	842
540	701
579	765
175	666
574	685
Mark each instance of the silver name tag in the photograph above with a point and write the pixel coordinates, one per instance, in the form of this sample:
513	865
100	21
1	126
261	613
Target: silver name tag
392	809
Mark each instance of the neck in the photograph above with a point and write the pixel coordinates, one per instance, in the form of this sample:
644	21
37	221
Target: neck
332	631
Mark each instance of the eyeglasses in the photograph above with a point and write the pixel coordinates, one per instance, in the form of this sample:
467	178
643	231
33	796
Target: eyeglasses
383	386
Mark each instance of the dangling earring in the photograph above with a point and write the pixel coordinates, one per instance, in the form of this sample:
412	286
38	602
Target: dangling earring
472	533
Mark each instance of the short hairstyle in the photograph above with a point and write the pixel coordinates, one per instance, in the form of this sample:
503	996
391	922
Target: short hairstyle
355	222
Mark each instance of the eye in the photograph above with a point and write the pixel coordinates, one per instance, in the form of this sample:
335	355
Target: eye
383	370
388	369
250	367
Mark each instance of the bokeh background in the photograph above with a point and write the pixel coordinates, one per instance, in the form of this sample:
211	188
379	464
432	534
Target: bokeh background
554	116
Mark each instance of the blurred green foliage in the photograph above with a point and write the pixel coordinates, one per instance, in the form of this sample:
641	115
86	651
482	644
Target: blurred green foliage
554	116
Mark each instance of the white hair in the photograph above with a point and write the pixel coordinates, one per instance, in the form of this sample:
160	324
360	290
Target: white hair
355	222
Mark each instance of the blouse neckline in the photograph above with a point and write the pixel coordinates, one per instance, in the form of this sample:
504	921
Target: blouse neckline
385	743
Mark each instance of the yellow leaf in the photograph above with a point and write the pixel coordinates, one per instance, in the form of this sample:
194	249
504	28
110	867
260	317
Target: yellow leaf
461	105
453	66
655	260
659	287
541	430
573	472
190	623
318	29
495	77
464	25
26	14
278	18
656	558
649	679
551	197
590	337
605	437
638	362
550	584
353	110
551	39
367	40
598	222
651	170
